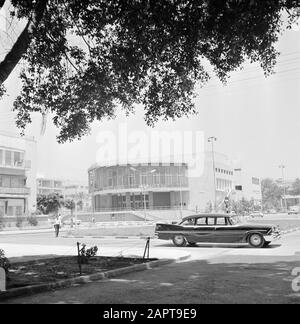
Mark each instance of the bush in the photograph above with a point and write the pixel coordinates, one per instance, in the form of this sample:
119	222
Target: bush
1	223
4	262
20	220
86	254
32	221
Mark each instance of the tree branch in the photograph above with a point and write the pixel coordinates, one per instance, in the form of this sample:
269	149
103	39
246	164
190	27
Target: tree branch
2	2
21	45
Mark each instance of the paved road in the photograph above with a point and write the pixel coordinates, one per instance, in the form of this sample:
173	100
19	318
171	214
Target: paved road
37	244
221	274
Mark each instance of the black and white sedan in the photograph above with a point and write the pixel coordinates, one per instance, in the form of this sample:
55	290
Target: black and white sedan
210	228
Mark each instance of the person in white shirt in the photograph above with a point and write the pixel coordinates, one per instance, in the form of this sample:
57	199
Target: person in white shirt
57	225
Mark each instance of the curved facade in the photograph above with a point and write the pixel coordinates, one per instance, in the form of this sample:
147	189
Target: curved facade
139	186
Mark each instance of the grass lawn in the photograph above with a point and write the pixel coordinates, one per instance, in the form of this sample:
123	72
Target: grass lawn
284	225
53	270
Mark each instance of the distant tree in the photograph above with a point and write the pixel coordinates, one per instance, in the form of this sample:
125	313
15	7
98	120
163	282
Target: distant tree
272	194
82	58
71	205
295	190
49	204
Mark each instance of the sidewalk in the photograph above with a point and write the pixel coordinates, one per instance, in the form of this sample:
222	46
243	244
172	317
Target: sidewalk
33	252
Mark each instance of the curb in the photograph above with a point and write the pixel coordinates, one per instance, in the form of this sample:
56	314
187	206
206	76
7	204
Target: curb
291	231
31	290
111	237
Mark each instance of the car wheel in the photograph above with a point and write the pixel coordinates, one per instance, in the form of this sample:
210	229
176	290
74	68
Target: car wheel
179	240
256	240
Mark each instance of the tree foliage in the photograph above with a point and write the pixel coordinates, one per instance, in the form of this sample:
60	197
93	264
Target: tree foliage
70	204
272	194
295	190
83	58
49	204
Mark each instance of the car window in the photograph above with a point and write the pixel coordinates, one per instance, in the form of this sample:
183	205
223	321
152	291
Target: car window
188	222
211	221
201	221
222	221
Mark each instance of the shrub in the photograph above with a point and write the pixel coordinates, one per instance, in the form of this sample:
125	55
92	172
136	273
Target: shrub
86	254
32	220
4	262
19	221
1	223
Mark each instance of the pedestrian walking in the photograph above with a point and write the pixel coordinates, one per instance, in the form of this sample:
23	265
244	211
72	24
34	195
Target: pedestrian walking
57	225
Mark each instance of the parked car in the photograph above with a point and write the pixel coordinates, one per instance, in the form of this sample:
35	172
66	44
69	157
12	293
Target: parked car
209	228
257	215
294	210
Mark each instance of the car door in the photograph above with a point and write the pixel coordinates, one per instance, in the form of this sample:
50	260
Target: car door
225	232
204	230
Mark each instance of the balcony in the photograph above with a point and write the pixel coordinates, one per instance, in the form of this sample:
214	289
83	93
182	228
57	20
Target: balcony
23	164
14	191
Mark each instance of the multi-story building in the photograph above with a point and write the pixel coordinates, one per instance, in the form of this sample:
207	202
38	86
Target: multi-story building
70	190
78	191
214	183
247	186
139	186
161	185
17	175
47	186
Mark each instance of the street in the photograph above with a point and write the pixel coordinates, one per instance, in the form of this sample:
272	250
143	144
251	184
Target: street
212	274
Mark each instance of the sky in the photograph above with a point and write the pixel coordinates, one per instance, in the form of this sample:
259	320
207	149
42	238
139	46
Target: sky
256	122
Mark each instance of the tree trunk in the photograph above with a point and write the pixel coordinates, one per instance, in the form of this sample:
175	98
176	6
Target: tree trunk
20	47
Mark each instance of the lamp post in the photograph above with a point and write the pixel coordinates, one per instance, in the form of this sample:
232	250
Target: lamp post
181	198
282	167
143	187
212	140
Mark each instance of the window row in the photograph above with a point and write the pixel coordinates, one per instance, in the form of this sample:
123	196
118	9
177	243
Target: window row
11	158
222	171
7	181
133	181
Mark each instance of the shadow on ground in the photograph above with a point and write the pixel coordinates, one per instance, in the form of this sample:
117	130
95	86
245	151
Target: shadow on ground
227	279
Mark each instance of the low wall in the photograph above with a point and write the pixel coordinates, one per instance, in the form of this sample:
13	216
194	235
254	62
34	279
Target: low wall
106	217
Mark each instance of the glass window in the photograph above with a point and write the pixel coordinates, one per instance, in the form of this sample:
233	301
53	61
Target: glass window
202	221
211	221
189	222
8	158
222	221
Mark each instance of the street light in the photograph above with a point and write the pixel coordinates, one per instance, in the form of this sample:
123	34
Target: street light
212	140
143	187
181	196
282	167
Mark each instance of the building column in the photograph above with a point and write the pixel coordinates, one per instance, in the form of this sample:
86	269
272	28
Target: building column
128	200
151	202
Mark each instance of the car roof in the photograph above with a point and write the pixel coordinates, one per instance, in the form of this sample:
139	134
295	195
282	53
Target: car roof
207	215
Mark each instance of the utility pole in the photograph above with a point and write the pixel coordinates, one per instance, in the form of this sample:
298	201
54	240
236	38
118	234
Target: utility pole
282	167
212	140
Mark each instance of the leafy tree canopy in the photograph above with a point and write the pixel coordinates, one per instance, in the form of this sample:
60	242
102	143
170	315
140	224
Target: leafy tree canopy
272	194
85	57
49	204
295	190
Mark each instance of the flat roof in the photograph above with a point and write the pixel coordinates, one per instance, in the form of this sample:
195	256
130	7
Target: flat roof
26	138
150	164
